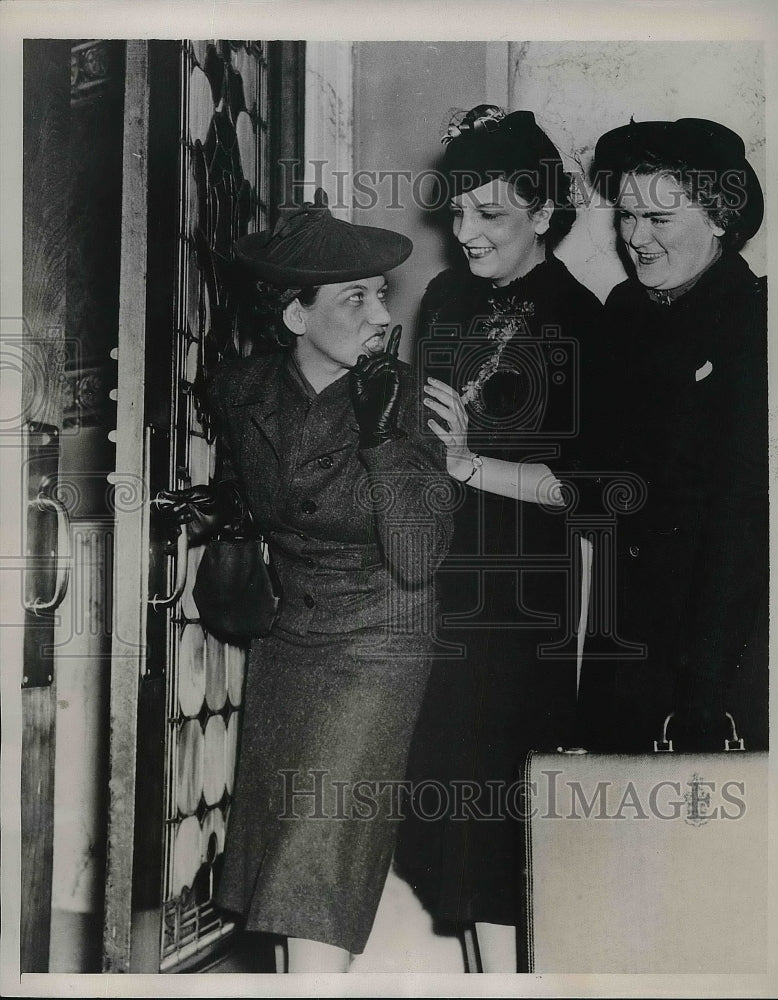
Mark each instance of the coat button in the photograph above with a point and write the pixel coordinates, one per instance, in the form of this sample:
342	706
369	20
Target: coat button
325	462
310	562
634	551
308	507
308	601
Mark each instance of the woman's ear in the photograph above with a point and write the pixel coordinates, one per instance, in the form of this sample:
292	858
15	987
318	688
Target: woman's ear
717	229
294	317
541	217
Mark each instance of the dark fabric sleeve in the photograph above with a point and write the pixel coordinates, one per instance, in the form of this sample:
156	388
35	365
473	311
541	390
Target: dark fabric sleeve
412	494
589	458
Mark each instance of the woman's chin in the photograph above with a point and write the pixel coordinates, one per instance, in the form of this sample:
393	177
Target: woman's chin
480	268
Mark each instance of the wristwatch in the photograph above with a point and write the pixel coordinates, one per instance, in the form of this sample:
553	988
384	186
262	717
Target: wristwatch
477	463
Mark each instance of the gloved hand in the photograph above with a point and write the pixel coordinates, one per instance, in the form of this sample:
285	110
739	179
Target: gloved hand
206	510
375	392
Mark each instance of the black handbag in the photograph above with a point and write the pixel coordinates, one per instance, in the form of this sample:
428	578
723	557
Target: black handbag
236	590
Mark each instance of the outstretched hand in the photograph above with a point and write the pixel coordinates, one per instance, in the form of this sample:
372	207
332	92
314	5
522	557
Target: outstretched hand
375	393
447	403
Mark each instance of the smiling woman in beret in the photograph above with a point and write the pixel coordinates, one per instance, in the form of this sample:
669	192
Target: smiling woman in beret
503	335
684	412
321	434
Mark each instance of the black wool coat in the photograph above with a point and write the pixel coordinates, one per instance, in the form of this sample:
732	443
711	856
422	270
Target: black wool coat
504	678
679	601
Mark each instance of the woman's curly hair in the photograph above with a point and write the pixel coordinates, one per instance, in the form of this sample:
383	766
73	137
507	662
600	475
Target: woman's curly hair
538	189
261	313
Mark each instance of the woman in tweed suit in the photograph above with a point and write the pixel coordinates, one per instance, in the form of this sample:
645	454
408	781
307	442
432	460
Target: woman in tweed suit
323	436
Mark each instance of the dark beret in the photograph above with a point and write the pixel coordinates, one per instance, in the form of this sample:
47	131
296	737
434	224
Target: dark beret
310	247
698	144
482	148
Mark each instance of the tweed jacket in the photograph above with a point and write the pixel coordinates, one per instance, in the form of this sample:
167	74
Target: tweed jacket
355	535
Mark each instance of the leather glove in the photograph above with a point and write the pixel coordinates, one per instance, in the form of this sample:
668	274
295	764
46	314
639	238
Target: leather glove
375	393
207	510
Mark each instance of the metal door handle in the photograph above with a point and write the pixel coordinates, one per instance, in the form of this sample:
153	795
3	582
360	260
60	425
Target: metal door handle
63	555
182	551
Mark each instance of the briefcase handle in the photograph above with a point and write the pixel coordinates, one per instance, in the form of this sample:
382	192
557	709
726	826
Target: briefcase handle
665	745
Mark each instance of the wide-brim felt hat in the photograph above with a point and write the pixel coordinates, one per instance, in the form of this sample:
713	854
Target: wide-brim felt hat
715	151
496	146
311	247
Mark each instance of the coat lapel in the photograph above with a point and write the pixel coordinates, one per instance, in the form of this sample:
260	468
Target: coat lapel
264	417
256	405
256	414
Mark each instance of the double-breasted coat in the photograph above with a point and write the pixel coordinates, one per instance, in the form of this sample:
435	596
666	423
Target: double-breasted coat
332	695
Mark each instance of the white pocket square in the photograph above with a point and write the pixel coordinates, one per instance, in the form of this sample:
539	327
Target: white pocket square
703	372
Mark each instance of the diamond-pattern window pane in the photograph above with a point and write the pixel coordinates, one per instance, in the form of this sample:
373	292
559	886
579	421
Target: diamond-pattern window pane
190	767
213	831
186	854
200	106
215	674
231	750
236	662
191	670
214	780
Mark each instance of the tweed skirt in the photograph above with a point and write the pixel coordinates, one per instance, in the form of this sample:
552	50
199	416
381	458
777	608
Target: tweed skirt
328	721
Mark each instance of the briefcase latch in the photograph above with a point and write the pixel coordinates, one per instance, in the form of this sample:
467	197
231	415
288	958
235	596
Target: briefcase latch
736	743
664	745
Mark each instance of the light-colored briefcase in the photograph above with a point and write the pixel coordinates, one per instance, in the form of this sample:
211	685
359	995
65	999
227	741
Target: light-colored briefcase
646	863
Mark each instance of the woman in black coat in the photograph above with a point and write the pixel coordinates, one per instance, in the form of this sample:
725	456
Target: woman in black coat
503	342
683	413
322	437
